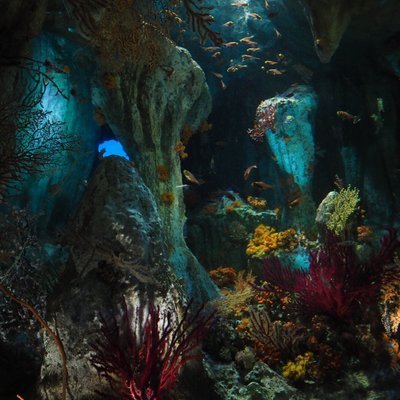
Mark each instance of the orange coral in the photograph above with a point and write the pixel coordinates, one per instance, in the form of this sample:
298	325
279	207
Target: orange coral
167	198
187	133
392	346
390	299
163	173
223	276
257	202
180	150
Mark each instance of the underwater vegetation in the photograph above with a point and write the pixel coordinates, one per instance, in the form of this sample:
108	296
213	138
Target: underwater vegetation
144	365
335	282
234	121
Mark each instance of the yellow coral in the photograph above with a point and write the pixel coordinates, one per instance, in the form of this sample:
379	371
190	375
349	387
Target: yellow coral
296	370
344	204
236	301
265	239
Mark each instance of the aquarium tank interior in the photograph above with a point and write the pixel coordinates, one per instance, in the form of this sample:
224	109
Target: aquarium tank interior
199	199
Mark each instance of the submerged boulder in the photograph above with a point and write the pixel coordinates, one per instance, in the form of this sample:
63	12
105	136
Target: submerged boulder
117	252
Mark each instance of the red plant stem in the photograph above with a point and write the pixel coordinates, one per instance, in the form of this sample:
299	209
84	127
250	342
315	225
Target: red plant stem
47	328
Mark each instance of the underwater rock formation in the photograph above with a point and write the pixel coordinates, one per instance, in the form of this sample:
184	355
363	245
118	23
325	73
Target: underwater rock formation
218	235
147	111
116	246
56	191
290	137
330	19
260	383
118	219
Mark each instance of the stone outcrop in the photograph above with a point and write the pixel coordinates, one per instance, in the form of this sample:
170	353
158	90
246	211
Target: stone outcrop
147	111
117	251
330	19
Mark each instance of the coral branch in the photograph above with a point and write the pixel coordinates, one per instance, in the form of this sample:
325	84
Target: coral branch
200	21
143	362
335	283
47	328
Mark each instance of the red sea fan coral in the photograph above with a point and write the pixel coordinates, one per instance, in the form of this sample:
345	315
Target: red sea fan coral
335	283
143	363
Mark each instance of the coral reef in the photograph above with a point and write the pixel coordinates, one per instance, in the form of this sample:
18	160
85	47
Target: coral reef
266	240
297	370
343	205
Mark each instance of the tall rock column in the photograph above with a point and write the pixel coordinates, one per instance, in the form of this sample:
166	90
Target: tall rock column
147	111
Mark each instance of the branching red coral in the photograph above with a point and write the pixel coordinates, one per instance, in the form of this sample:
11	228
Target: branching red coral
143	362
335	283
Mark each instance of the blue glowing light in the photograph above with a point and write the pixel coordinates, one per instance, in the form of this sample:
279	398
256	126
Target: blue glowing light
112	148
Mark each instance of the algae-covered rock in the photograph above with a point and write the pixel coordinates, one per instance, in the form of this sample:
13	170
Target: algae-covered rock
261	383
147	111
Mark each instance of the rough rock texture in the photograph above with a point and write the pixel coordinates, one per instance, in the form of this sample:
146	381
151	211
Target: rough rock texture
117	247
261	383
219	237
147	112
329	21
291	141
73	167
118	219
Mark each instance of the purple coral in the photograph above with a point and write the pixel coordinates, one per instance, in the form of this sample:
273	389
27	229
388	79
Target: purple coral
335	283
142	363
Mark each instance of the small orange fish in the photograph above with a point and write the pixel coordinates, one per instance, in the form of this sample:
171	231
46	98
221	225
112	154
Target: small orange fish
255	16
211	49
248	171
232	68
277	34
253	49
274	71
344	115
247	57
223	84
230	44
261	185
191	178
216	54
243	4
270	62
228	24
250	42
20	397
295	202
